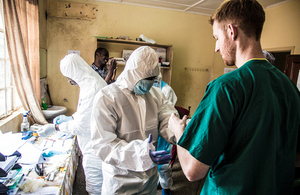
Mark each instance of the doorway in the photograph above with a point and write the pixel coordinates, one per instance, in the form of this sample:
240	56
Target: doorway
280	59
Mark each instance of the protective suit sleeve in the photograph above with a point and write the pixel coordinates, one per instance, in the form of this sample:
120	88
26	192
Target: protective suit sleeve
80	124
133	155
165	111
170	94
70	127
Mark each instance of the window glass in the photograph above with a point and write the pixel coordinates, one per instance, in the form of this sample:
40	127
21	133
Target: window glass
8	74
1	45
1	18
2	103
2	75
16	101
9	100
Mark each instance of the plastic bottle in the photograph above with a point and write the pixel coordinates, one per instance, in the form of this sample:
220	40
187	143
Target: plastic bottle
44	105
25	124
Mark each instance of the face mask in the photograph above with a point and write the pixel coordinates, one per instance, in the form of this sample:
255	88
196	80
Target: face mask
156	84
143	86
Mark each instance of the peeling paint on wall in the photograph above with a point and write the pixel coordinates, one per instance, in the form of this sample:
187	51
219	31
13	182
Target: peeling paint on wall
73	10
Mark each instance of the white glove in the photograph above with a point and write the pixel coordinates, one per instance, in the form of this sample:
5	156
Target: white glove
46	130
61	119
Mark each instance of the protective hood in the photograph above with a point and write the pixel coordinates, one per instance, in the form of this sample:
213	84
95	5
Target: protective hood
159	77
142	63
74	67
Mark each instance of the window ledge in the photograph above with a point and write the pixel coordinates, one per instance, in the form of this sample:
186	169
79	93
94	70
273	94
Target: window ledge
12	122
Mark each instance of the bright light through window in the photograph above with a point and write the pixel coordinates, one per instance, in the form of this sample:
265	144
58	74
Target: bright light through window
9	99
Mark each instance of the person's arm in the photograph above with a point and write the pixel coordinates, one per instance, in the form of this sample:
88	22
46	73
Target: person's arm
111	68
170	94
80	125
191	167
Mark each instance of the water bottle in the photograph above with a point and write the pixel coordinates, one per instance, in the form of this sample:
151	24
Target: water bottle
25	123
44	105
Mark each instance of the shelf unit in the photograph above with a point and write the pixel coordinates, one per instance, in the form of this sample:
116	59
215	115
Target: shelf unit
115	48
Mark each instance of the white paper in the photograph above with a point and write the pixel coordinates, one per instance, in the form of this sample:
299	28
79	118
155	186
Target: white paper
8	163
30	154
58	145
10	142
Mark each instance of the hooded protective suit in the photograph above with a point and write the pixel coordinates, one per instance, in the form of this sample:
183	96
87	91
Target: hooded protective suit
121	123
74	67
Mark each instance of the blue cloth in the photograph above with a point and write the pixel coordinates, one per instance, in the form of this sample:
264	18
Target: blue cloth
165	192
162	84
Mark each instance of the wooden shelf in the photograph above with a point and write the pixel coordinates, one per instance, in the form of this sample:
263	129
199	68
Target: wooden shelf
140	43
115	48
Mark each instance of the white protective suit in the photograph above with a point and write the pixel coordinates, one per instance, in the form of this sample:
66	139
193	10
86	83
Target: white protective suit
74	67
167	90
121	123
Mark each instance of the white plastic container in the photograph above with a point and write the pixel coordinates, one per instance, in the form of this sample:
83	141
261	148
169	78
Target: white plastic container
25	125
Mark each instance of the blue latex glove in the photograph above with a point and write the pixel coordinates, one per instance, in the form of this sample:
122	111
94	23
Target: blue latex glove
46	130
158	157
52	153
61	119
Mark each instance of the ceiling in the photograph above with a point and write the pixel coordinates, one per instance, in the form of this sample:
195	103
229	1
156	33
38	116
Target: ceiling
204	7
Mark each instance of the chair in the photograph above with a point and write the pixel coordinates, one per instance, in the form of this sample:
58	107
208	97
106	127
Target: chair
183	111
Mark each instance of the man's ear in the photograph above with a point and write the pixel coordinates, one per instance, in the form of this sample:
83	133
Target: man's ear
232	31
97	54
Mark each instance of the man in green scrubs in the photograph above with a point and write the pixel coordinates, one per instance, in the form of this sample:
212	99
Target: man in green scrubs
245	129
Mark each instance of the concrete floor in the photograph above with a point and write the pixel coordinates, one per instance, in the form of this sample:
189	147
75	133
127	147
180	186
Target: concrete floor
181	186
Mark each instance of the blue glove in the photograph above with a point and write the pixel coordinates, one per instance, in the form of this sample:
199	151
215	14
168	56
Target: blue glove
159	157
61	119
46	130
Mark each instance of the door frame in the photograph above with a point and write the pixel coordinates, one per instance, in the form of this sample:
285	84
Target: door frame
281	49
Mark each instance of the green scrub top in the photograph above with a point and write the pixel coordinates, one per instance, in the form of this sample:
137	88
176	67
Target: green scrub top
246	129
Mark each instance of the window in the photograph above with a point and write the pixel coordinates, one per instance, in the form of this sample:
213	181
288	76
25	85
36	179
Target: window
9	99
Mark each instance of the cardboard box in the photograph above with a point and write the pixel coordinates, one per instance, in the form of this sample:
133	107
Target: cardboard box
126	54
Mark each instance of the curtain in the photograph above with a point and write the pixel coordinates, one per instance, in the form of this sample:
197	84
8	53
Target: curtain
22	33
